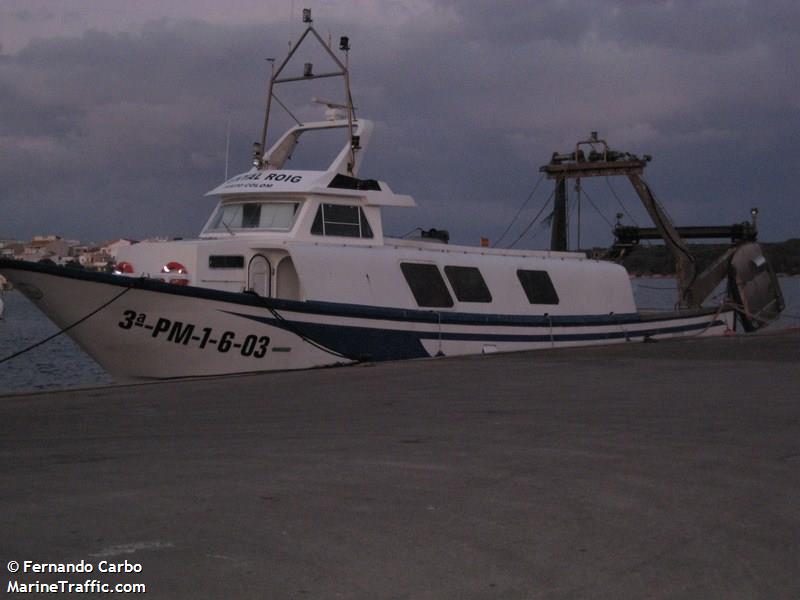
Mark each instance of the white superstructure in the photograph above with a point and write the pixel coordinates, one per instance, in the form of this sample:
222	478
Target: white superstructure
297	235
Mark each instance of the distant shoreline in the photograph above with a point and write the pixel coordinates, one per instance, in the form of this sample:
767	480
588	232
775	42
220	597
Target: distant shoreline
657	260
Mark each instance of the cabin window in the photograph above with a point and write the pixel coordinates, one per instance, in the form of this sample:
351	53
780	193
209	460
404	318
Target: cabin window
427	285
341	220
255	215
468	284
538	287
226	261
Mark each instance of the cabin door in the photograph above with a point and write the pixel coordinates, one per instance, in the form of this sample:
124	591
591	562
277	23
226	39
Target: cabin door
288	284
259	275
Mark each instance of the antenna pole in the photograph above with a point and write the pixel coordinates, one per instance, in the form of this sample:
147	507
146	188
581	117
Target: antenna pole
269	104
352	165
227	146
558	227
578	195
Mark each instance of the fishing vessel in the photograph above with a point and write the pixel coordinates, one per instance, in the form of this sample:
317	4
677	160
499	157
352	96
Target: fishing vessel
293	270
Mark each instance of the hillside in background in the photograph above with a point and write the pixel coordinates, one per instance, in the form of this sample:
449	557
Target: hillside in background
657	260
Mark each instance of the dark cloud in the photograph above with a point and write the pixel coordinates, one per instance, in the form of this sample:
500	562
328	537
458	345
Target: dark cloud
27	15
121	133
694	26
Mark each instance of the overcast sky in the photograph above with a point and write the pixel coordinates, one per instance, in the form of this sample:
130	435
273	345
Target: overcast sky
113	114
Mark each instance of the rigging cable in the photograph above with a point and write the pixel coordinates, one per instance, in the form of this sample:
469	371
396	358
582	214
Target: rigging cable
625	210
711	323
594	206
405	235
290	327
521	208
286	108
538	214
66	329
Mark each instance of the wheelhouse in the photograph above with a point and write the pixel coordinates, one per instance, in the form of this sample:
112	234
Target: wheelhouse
253	215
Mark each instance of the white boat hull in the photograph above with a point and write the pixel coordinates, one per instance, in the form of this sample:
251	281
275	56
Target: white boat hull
147	329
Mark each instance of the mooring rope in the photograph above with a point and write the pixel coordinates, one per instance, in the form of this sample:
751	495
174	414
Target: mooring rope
66	329
289	326
712	321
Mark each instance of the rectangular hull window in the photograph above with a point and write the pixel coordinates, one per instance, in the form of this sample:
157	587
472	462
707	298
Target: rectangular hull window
468	284
225	261
427	285
538	287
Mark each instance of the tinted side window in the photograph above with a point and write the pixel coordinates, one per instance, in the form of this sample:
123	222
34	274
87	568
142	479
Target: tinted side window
225	261
341	220
468	284
316	226
345	221
538	287
366	230
251	215
427	285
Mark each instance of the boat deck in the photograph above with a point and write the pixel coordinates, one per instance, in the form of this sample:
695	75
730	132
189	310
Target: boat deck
663	470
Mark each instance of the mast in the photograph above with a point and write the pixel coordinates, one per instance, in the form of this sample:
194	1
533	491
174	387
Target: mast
558	230
341	70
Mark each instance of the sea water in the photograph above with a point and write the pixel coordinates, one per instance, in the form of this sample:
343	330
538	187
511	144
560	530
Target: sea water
56	364
60	363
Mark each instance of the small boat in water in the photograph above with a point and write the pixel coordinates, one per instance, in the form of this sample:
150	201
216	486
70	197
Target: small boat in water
293	270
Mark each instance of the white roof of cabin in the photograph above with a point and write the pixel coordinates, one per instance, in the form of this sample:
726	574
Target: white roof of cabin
258	184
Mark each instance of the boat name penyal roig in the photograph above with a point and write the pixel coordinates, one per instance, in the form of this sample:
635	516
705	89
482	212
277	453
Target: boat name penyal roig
288	177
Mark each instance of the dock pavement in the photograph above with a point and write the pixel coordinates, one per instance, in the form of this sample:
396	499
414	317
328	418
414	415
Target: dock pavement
647	470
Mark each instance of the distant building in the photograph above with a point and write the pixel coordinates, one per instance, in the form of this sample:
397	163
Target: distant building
58	248
112	248
12	250
53	248
100	260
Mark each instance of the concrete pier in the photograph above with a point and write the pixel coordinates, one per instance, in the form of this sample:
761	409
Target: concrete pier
663	470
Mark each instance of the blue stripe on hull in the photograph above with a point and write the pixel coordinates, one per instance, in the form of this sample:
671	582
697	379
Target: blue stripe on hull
372	343
357	343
